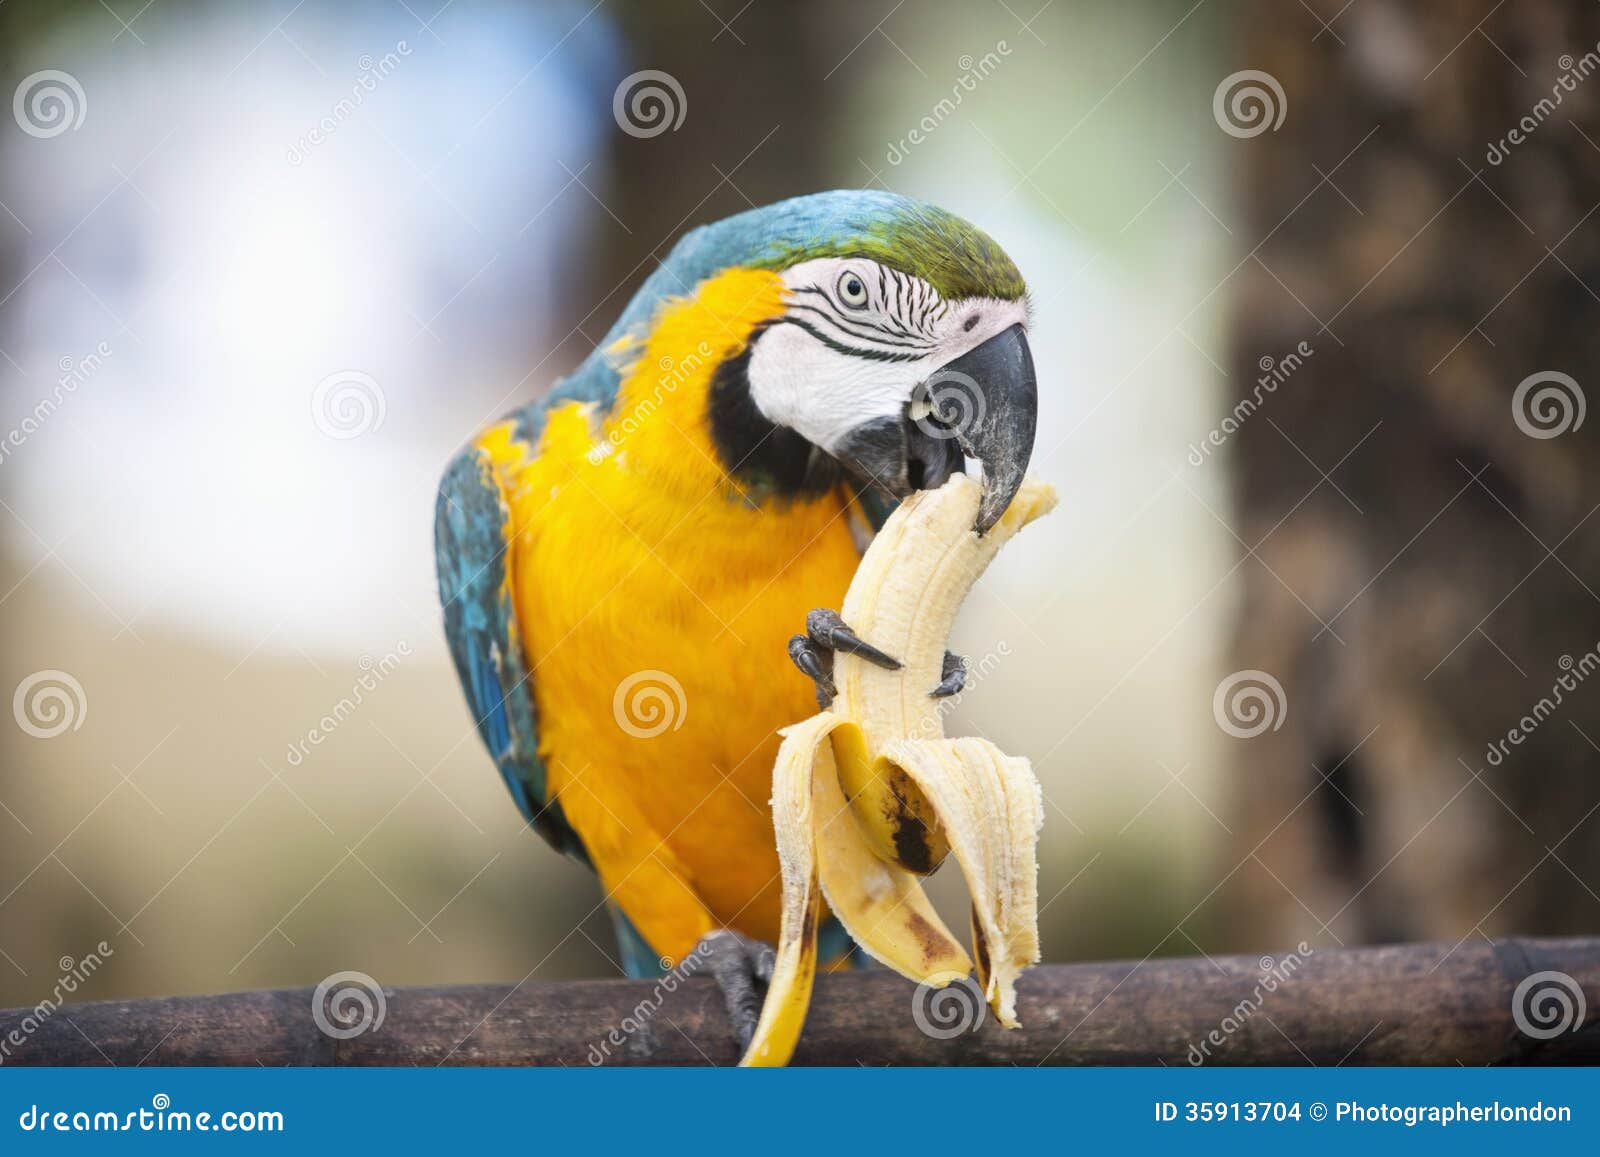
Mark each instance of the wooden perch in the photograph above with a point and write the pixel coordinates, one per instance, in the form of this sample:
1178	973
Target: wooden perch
1406	1004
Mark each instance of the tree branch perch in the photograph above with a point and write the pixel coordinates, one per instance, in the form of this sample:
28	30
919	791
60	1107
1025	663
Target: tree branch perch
1405	1004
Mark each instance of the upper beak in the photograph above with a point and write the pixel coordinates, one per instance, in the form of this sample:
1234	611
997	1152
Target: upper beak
983	405
995	415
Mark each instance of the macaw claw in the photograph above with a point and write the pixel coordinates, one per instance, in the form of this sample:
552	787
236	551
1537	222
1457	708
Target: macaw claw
829	630
742	968
816	664
827	634
952	677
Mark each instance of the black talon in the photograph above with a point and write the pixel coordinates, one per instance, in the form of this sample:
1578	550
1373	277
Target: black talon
742	968
826	633
952	676
827	628
817	664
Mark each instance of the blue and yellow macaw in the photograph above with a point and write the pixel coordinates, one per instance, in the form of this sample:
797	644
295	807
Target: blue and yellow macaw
620	561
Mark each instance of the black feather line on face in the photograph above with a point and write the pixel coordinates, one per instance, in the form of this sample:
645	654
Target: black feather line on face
888	325
865	330
846	348
766	460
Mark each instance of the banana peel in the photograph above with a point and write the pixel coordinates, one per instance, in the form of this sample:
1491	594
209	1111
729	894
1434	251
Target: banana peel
869	796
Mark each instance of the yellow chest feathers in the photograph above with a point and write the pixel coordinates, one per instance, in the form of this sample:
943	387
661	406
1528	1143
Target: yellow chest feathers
655	600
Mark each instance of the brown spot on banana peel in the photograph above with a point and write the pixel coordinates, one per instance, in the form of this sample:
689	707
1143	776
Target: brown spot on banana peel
980	950
808	930
893	815
919	844
934	942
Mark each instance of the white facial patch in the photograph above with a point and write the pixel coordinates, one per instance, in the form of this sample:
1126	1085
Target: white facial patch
856	340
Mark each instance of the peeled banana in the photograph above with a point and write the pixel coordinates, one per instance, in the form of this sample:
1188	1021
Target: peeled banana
869	795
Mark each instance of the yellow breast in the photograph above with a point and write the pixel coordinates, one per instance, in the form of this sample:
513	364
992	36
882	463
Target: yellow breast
656	602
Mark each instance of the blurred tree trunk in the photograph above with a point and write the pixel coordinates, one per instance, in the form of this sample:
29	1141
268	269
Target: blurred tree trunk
1420	601
752	89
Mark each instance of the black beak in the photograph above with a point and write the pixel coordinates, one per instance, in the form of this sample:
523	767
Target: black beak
989	398
983	405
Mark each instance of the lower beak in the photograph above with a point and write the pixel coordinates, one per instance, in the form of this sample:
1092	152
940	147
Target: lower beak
983	405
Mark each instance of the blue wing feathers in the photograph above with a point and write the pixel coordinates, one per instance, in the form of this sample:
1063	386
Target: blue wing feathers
480	625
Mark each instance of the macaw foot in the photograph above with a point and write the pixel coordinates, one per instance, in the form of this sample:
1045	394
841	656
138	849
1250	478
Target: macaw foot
826	634
952	676
742	968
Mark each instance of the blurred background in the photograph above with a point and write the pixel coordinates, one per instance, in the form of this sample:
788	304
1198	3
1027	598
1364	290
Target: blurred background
1312	367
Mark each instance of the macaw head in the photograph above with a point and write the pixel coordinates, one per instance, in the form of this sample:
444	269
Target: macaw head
899	351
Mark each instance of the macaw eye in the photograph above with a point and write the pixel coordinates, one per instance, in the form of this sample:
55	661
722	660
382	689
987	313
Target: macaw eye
853	291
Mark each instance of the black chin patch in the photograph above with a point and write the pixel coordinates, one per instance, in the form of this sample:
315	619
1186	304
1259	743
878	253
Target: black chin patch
877	449
767	460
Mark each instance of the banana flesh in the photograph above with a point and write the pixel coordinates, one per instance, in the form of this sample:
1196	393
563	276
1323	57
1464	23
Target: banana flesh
869	795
